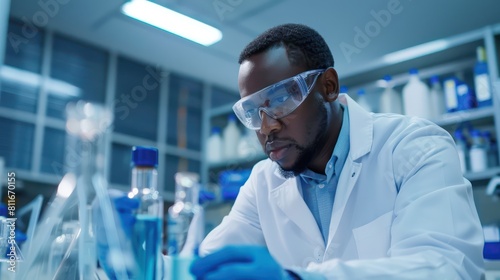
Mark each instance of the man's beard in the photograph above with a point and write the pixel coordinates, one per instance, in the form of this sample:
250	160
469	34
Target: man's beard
306	153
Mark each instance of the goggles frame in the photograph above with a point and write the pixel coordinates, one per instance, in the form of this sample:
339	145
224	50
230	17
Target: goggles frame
277	100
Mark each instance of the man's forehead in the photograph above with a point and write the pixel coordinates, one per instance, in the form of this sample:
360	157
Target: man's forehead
264	69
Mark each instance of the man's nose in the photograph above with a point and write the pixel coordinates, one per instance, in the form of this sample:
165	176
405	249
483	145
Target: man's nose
269	125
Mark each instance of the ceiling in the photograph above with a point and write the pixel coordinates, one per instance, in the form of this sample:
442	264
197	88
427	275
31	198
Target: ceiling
339	21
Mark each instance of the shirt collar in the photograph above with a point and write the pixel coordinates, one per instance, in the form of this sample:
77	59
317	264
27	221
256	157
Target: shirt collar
336	163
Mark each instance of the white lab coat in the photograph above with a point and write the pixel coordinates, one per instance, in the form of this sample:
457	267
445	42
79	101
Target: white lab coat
402	209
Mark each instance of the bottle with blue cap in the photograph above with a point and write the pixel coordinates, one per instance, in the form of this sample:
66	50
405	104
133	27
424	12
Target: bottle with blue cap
416	97
214	146
230	138
147	231
437	100
363	101
344	90
390	100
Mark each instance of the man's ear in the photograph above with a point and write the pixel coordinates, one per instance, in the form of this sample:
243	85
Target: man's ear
331	84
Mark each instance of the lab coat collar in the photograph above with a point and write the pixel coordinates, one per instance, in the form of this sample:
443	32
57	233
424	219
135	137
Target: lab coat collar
361	140
360	128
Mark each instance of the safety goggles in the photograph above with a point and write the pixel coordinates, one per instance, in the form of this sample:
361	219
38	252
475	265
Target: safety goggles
277	100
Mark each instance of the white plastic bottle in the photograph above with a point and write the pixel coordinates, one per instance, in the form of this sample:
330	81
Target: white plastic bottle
416	97
437	100
214	146
249	146
390	100
363	102
461	144
230	138
478	155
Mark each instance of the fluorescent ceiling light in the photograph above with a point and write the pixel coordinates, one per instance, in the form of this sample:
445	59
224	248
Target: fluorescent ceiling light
171	21
416	51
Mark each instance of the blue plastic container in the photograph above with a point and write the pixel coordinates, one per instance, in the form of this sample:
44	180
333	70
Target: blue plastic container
230	182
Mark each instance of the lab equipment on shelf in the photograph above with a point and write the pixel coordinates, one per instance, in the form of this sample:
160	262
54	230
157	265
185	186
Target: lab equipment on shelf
363	101
214	146
344	90
482	79
416	97
477	154
450	90
462	149
249	146
231	136
465	94
185	225
147	231
390	99
436	98
491	149
230	182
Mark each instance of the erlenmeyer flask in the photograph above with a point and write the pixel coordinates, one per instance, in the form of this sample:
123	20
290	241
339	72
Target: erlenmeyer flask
86	126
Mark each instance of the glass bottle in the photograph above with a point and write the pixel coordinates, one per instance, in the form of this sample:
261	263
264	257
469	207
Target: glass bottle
185	225
461	144
477	153
147	231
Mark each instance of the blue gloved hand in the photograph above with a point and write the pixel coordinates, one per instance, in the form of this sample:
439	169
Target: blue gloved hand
125	208
239	262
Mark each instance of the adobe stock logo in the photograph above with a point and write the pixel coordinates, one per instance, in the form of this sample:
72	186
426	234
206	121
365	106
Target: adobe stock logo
225	6
363	37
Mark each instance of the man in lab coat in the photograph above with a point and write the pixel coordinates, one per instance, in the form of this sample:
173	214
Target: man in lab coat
345	193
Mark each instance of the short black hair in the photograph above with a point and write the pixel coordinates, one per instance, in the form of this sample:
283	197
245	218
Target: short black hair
304	45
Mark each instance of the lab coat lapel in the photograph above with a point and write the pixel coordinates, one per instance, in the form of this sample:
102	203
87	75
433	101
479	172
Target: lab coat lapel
290	201
361	138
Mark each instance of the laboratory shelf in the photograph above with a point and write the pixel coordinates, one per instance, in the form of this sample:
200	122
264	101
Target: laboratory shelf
464	116
483	175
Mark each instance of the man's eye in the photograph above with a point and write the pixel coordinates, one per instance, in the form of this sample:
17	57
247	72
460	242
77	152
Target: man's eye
250	113
278	100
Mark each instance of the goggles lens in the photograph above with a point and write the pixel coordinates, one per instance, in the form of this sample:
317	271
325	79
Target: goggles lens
277	100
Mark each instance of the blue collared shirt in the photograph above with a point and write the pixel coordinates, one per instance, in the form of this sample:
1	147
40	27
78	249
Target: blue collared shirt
318	190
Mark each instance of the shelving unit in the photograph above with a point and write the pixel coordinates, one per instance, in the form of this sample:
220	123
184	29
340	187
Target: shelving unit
466	116
483	175
459	55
